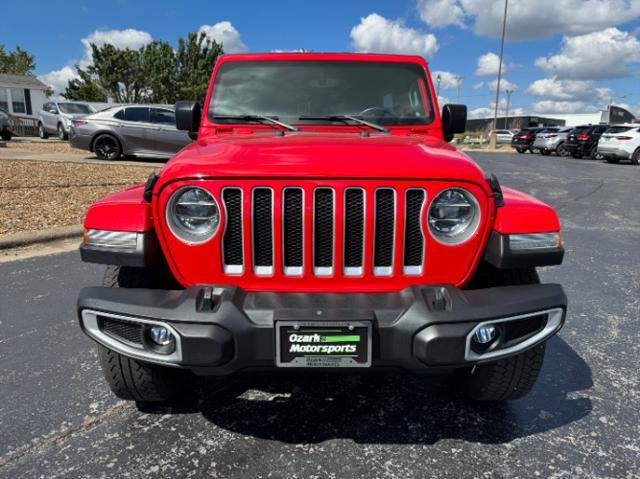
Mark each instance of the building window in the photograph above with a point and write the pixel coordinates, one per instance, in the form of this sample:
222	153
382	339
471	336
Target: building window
17	101
4	101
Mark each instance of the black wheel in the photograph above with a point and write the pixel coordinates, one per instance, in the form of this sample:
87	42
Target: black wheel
545	152
42	133
62	135
612	159
129	378
5	135
635	158
509	378
107	147
594	155
521	150
561	150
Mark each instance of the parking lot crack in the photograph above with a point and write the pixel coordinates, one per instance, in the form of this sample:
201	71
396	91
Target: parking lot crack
61	437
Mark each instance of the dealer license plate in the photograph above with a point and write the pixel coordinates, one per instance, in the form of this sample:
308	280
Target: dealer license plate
313	344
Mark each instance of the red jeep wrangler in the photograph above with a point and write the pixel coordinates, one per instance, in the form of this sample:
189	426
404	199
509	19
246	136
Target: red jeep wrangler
320	220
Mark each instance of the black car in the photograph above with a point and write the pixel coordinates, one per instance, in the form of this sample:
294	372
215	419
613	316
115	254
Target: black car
523	140
583	141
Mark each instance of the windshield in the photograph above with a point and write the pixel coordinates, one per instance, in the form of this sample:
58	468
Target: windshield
76	108
387	93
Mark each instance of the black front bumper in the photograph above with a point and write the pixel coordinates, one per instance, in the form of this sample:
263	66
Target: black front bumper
224	329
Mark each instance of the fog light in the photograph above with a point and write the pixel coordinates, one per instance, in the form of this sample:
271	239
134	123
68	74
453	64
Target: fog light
160	335
485	334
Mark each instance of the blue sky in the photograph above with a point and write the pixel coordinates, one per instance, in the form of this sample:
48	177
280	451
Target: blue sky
561	55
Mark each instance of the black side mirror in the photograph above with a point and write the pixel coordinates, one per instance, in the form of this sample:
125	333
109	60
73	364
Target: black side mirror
454	120
188	115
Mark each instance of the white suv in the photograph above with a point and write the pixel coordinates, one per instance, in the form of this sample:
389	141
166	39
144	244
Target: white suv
621	142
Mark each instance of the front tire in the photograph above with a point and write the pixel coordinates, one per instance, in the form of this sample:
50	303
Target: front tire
521	150
5	135
131	379
62	135
594	155
635	158
42	133
509	378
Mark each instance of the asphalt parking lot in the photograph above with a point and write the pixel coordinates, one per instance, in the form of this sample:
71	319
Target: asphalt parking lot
582	419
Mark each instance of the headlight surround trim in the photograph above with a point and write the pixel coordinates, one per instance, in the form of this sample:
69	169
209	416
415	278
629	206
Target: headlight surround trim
179	229
469	230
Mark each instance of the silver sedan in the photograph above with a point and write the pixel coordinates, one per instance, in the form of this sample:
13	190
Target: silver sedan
131	130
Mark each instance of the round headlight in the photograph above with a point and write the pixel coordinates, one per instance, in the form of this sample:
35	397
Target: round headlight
193	215
454	216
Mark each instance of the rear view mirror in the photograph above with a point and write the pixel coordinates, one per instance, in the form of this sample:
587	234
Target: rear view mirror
454	120
188	115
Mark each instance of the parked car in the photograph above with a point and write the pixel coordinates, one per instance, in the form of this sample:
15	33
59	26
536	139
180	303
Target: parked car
131	130
56	117
583	141
319	234
523	139
621	142
5	126
502	136
548	142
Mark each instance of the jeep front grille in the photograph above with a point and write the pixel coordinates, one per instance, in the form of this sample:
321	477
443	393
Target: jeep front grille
337	221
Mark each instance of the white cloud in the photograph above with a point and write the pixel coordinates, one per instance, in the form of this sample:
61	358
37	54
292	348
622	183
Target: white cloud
488	65
504	85
377	34
121	39
568	90
225	33
528	19
441	13
478	85
488	112
58	79
598	55
568	96
553	106
448	80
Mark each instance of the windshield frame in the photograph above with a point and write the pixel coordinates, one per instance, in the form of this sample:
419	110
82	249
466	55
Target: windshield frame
425	91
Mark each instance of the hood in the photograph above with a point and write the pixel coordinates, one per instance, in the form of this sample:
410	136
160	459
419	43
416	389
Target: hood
322	155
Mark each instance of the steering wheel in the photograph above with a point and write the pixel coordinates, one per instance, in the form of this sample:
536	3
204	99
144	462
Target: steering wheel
377	112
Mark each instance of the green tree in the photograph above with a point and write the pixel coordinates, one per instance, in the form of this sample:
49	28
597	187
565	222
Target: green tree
17	62
159	67
84	88
151	74
195	59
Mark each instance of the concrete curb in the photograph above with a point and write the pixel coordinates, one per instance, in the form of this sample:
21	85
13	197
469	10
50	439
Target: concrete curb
15	240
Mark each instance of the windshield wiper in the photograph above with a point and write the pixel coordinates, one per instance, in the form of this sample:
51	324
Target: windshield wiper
345	118
261	118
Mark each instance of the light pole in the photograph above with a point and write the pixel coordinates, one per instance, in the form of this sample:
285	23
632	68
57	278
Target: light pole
438	80
504	26
506	117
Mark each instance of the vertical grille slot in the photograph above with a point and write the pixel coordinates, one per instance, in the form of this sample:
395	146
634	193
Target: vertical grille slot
353	231
232	239
384	231
413	239
263	231
323	232
292	225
